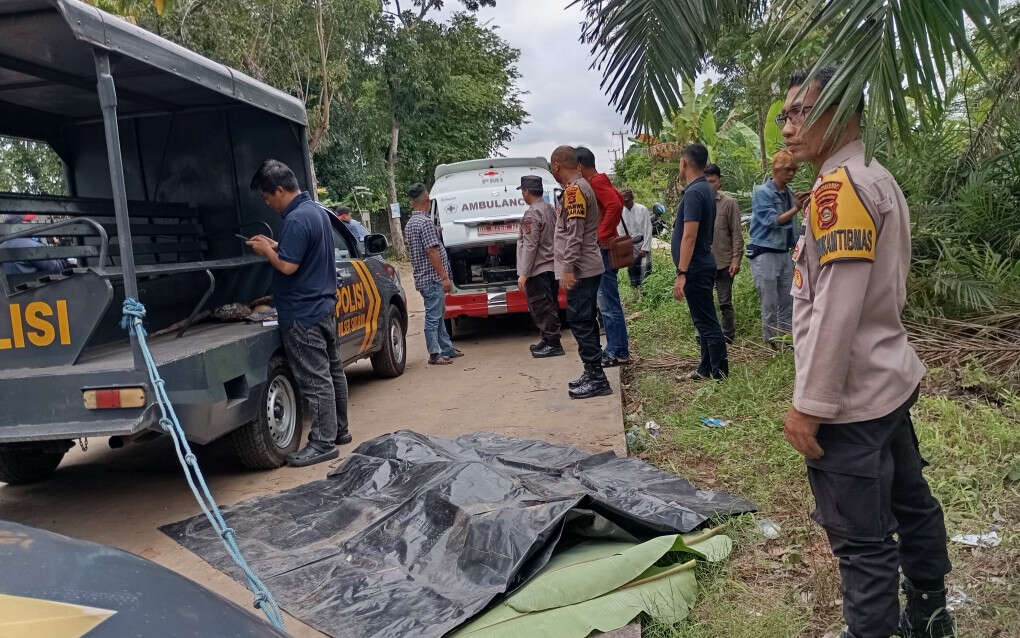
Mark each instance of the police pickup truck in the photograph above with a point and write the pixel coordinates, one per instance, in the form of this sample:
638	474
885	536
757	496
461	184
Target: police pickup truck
477	206
158	146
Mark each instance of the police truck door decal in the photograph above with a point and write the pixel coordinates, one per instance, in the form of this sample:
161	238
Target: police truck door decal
358	306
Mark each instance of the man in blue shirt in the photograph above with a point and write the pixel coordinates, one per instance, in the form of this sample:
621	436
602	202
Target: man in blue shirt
304	291
347	217
774	208
695	266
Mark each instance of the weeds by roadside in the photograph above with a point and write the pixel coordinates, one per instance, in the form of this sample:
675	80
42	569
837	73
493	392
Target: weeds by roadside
788	587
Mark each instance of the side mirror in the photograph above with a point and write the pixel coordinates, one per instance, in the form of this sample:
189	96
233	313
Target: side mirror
375	244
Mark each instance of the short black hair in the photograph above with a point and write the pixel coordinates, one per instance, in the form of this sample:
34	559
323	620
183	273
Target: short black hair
713	169
696	154
274	174
537	191
342	210
416	190
585	157
823	77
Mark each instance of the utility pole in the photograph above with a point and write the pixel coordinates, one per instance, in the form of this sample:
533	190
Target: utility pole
615	153
622	135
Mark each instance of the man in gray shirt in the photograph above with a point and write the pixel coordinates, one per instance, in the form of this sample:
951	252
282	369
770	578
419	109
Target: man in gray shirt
535	265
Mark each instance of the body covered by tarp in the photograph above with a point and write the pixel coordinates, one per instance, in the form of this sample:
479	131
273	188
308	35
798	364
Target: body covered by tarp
414	535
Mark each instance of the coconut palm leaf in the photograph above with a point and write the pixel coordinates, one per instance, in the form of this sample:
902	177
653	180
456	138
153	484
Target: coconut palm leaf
895	48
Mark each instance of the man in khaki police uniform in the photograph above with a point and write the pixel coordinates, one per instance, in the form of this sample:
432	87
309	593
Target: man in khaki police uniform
535	266
857	378
579	267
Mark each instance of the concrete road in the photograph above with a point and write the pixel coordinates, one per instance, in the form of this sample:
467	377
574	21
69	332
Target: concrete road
120	497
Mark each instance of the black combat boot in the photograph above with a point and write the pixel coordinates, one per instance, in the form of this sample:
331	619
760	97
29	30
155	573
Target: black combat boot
536	346
925	615
596	385
579	381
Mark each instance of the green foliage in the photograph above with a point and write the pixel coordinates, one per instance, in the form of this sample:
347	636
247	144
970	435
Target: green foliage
31	167
453	89
973	447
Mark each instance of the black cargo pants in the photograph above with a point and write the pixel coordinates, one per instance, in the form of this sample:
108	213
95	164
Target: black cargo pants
698	292
543	292
867	486
582	308
313	352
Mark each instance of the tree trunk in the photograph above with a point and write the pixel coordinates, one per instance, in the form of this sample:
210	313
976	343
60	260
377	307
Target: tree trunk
761	141
396	232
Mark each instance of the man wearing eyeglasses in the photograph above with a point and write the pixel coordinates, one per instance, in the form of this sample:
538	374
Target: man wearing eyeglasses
857	378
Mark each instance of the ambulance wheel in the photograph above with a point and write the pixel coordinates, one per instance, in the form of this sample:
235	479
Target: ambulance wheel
263	444
389	361
22	463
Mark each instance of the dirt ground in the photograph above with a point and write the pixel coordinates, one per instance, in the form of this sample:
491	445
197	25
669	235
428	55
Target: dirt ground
120	497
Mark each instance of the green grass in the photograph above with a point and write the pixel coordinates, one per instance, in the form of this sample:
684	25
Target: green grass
789	587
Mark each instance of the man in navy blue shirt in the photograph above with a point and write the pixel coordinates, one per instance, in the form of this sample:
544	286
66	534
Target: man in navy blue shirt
304	291
695	266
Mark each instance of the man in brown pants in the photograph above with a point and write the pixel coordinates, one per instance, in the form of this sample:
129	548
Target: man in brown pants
535	274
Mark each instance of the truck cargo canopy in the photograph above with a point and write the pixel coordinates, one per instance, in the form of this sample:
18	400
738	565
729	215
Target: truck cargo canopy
48	78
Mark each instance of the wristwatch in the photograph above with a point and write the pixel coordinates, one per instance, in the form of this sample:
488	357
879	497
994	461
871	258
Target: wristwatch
681	273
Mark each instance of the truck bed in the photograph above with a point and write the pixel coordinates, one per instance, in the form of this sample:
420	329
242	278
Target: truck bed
165	349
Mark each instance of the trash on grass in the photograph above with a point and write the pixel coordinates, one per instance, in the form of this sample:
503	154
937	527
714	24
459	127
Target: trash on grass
635	440
715	422
769	528
957	599
988	539
653	429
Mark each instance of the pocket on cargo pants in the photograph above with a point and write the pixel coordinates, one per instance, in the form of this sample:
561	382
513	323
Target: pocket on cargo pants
852	491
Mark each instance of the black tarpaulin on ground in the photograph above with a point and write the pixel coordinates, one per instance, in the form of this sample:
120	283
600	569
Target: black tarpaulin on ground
413	535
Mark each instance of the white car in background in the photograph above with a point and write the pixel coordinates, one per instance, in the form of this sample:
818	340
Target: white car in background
478	209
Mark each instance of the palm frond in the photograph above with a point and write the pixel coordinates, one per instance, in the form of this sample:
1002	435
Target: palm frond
645	48
894	49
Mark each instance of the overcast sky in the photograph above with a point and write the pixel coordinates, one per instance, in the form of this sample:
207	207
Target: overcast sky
563	97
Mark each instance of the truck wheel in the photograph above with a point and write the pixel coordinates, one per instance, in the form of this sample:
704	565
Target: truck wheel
389	361
451	328
22	463
276	431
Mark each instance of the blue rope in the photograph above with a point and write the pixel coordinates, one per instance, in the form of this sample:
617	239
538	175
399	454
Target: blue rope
134	311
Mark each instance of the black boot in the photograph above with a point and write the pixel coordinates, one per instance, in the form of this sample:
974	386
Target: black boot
925	615
343	437
548	350
579	381
596	385
536	346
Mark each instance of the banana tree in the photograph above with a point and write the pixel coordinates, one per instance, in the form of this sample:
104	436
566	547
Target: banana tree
894	48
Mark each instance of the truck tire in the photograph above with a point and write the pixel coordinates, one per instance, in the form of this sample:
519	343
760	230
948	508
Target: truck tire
22	463
451	328
390	360
264	443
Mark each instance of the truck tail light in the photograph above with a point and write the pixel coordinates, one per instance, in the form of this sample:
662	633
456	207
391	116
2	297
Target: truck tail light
112	398
391	272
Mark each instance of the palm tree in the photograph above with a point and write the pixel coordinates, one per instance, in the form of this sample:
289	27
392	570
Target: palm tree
897	49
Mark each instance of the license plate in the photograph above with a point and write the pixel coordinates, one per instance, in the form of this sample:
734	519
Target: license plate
498	229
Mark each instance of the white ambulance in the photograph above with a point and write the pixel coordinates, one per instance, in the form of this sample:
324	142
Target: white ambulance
478	208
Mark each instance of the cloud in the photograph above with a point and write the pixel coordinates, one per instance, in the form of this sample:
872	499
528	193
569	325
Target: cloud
565	103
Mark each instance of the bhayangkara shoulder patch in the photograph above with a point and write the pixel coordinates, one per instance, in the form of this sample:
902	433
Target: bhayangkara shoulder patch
574	203
841	225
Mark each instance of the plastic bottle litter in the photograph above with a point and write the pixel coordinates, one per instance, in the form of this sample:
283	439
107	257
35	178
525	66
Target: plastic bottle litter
635	442
769	528
653	429
715	422
988	539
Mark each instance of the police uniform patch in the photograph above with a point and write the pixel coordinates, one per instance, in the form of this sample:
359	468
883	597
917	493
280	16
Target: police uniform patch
841	225
573	203
798	279
526	227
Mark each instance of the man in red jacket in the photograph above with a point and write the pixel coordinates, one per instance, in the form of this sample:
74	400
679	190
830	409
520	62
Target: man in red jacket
617	351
